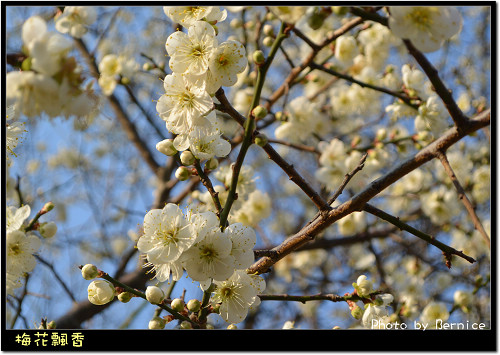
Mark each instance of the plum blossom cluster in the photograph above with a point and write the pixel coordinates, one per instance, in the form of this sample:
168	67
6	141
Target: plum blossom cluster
50	81
252	205
200	65
174	242
75	20
428	27
375	314
112	67
22	244
337	160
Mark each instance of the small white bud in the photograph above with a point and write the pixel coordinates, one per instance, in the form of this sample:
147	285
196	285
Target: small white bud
194	305
124	297
258	57
177	305
259	112
268	30
166	147
157	323
232	326
212	164
186	325
89	272
154	294
268	41
101	292
182	173
187	158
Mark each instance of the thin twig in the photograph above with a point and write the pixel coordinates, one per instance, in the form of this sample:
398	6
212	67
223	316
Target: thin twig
463	196
424	236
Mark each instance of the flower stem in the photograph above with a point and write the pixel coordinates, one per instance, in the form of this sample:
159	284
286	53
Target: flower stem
250	125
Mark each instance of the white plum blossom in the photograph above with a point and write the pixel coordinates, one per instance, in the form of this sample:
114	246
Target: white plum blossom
235	295
346	49
428	27
211	257
434	311
289	14
432	116
76	19
304	119
20	249
167	234
204	141
183	103
15	217
188	15
243	239
190	53
376	314
227	60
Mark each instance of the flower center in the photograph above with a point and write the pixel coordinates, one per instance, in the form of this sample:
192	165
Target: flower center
223	61
167	237
226	292
421	17
15	250
208	253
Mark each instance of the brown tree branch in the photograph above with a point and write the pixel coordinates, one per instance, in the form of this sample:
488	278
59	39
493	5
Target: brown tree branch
357	202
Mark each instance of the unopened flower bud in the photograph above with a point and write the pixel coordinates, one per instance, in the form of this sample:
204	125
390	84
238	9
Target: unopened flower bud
51	325
124	297
177	305
212	164
101	292
154	294
355	141
259	112
48	229
261	140
166	147
186	325
209	326
187	158
194	305
268	30
216	308
49	206
336	327
268	41
182	173
235	23
258	57
89	272
381	134
125	81
157	323
462	299
357	312
232	326
147	66
363	286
